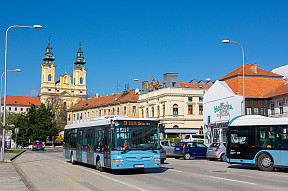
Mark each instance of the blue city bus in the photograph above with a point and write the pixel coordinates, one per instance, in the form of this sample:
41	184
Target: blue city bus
258	140
114	142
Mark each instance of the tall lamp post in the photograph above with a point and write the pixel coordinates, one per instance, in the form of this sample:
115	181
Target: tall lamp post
16	70
5	85
228	41
136	80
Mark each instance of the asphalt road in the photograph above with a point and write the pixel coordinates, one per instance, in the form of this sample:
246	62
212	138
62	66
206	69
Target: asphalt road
48	170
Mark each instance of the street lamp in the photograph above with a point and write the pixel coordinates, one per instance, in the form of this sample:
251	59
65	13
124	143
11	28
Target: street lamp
5	85
228	41
136	80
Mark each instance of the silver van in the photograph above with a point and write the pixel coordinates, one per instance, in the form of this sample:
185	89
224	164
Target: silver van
194	138
217	151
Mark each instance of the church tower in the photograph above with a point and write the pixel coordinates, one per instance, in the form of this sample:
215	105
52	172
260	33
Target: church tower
79	72
48	70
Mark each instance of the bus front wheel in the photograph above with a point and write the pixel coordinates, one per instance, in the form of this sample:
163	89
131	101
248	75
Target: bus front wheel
72	159
265	162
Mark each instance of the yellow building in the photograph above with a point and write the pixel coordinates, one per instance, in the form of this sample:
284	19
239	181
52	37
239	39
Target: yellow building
67	91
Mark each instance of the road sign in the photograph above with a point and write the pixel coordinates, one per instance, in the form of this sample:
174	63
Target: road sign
208	120
16	130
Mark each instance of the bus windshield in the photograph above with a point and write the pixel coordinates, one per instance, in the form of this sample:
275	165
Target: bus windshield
135	135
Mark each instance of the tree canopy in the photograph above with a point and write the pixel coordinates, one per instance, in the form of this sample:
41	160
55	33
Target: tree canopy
37	124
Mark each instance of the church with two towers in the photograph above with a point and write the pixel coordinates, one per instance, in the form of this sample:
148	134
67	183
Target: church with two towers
68	90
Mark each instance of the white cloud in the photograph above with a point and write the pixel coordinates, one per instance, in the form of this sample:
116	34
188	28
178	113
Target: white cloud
34	93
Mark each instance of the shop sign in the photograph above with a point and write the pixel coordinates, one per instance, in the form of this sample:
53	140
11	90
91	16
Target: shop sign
223	109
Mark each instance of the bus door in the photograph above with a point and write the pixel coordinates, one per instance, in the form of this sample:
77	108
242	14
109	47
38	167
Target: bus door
79	145
107	147
67	143
90	148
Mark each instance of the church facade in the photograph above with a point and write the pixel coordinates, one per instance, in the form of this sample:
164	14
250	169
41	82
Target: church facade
67	91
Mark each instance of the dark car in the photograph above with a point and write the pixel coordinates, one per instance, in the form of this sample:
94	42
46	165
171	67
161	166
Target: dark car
189	149
38	145
163	154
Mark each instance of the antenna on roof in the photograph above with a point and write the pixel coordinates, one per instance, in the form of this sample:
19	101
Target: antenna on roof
127	87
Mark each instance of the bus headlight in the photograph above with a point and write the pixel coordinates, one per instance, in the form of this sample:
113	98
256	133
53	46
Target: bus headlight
157	159
118	160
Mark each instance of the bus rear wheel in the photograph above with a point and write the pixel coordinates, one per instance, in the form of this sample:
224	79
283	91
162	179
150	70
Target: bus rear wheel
265	162
98	166
72	159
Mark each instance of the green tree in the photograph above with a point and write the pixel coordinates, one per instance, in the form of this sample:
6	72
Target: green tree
37	124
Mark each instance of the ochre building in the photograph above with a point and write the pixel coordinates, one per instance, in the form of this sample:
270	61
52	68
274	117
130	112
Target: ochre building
67	91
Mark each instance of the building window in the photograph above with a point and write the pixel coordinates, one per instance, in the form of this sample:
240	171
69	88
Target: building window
109	112
190	109
175	126
125	110
263	111
113	111
173	84
88	114
142	112
65	105
49	78
9	108
201	99
74	116
256	111
134	109
21	109
147	112
158	111
175	109
27	109
77	116
99	112
49	90
272	107
15	108
92	114
81	80
118	111
249	111
281	107
69	117
190	99
80	92
200	109
81	116
57	90
152	112
163	109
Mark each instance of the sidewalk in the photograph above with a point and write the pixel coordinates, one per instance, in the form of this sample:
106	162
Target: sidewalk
9	178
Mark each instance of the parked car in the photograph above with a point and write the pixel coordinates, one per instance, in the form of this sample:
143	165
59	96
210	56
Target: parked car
190	149
217	151
168	146
194	137
38	145
30	147
163	154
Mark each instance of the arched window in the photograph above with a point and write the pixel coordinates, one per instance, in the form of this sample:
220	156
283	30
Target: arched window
163	109
142	111
158	111
152	111
134	109
81	80
175	126
125	109
113	111
175	109
118	111
49	78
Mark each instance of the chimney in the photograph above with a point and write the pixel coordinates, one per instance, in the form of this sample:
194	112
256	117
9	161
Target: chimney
113	94
96	95
253	67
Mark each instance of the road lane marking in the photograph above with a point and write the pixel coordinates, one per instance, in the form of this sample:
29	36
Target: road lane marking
99	174
233	180
174	170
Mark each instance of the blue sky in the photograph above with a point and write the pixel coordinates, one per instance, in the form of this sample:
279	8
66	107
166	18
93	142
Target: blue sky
123	40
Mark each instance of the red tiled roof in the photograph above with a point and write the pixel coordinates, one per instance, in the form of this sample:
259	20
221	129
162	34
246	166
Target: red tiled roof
21	100
250	71
280	90
254	87
106	100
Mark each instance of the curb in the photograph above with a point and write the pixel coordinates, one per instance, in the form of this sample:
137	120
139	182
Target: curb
17	155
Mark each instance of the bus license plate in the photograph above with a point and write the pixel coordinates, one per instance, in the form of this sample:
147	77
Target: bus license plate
177	148
139	166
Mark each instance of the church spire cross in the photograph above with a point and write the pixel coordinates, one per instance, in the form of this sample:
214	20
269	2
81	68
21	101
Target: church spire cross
80	58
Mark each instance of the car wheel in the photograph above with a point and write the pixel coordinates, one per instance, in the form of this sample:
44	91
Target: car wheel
177	157
98	166
223	157
187	156
265	162
72	159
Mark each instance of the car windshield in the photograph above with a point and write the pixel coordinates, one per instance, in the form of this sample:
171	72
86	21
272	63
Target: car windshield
38	143
135	135
215	145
